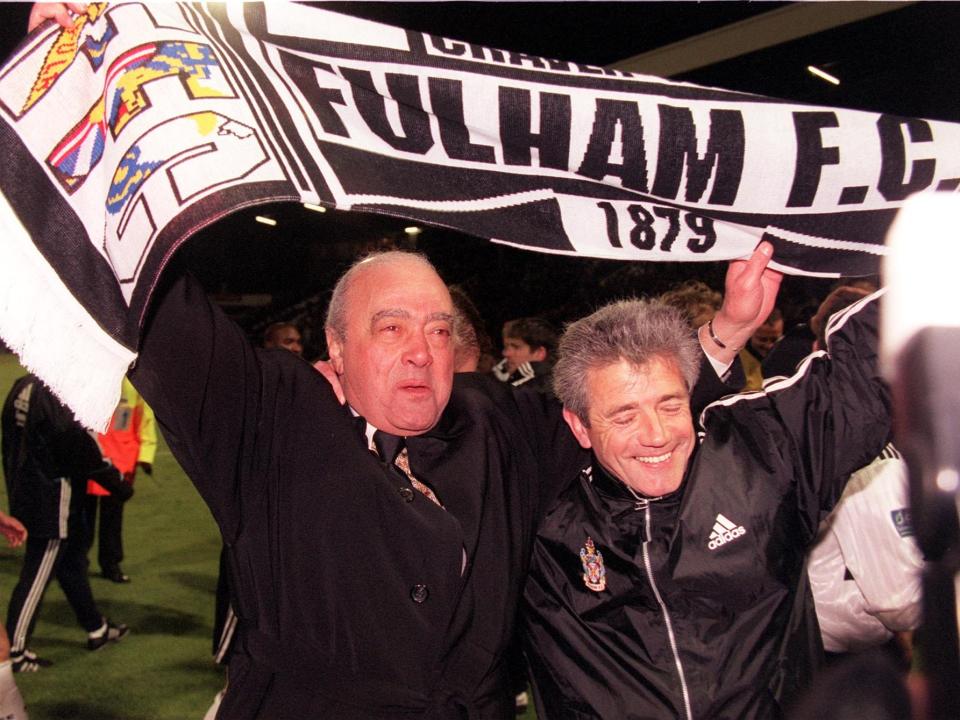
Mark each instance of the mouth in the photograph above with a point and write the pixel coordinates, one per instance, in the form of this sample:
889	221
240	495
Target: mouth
654	459
415	388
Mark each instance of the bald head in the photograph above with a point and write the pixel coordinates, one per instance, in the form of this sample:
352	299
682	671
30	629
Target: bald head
336	311
389	330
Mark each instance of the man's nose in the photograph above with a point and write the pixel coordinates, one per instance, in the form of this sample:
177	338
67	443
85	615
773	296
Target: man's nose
417	350
650	430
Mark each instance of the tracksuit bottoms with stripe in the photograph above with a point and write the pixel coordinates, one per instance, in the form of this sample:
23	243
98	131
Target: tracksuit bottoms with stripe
46	558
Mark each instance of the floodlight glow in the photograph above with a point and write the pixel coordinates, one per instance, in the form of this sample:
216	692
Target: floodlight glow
315	208
413	230
947	480
823	75
265	220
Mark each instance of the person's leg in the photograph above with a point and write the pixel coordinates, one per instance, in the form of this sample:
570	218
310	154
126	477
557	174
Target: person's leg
90	505
11	701
110	553
39	565
72	576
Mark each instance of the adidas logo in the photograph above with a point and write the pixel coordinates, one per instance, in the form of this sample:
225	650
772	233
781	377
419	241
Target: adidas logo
724	531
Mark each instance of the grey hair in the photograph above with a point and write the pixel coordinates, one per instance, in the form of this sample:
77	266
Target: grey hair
337	309
637	331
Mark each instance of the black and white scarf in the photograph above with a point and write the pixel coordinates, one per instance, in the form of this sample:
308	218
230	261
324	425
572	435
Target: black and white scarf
124	136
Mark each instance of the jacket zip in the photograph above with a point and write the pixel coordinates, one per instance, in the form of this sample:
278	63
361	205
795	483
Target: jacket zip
644	504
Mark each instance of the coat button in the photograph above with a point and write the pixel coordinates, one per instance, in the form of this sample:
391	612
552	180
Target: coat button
419	593
407	494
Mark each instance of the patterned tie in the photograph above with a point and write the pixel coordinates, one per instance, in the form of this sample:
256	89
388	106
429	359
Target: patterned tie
393	451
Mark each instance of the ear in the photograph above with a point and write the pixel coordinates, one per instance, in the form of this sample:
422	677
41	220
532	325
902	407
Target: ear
579	431
335	346
539	355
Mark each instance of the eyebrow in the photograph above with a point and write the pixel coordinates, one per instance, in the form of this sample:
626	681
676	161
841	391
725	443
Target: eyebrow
405	315
620	408
632	406
390	313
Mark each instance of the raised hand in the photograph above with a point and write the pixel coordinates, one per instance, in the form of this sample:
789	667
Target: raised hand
59	12
751	293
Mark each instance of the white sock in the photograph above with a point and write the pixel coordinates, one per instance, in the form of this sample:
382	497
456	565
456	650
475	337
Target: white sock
98	633
11	701
212	711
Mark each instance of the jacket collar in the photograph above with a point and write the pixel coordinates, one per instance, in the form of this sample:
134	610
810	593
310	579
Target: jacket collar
618	496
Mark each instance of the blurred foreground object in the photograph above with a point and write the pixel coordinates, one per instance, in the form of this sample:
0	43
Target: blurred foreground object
920	344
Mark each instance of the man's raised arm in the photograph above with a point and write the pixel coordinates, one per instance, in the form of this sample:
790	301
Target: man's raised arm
751	289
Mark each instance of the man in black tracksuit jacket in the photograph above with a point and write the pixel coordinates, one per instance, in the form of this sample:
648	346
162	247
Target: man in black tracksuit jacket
688	599
47	459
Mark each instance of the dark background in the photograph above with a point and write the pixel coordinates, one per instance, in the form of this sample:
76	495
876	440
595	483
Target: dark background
904	62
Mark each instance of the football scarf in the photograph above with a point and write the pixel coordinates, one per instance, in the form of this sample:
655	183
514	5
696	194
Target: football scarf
124	136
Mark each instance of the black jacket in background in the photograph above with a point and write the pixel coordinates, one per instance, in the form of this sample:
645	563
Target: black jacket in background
47	459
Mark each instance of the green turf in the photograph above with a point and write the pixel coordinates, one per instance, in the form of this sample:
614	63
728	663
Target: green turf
163	669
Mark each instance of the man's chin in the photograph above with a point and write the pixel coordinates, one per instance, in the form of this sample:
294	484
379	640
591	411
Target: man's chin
414	423
655	486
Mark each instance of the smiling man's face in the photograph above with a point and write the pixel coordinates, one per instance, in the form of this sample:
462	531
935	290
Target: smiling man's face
396	361
640	429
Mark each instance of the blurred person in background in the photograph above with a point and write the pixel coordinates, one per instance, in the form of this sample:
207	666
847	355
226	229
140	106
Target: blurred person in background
865	569
47	459
529	346
473	348
129	443
283	335
758	347
795	344
697	300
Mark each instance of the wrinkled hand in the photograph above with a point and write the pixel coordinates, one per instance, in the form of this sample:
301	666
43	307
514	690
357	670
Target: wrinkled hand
12	529
325	369
60	12
751	293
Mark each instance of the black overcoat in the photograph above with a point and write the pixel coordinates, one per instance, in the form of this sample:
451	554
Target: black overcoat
350	589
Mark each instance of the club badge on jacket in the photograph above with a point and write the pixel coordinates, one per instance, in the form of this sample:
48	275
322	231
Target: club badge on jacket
594	573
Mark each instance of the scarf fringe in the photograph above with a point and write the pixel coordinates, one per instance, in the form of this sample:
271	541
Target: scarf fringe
53	335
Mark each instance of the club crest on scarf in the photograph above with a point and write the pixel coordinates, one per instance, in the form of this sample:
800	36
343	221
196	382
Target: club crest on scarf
125	96
594	573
